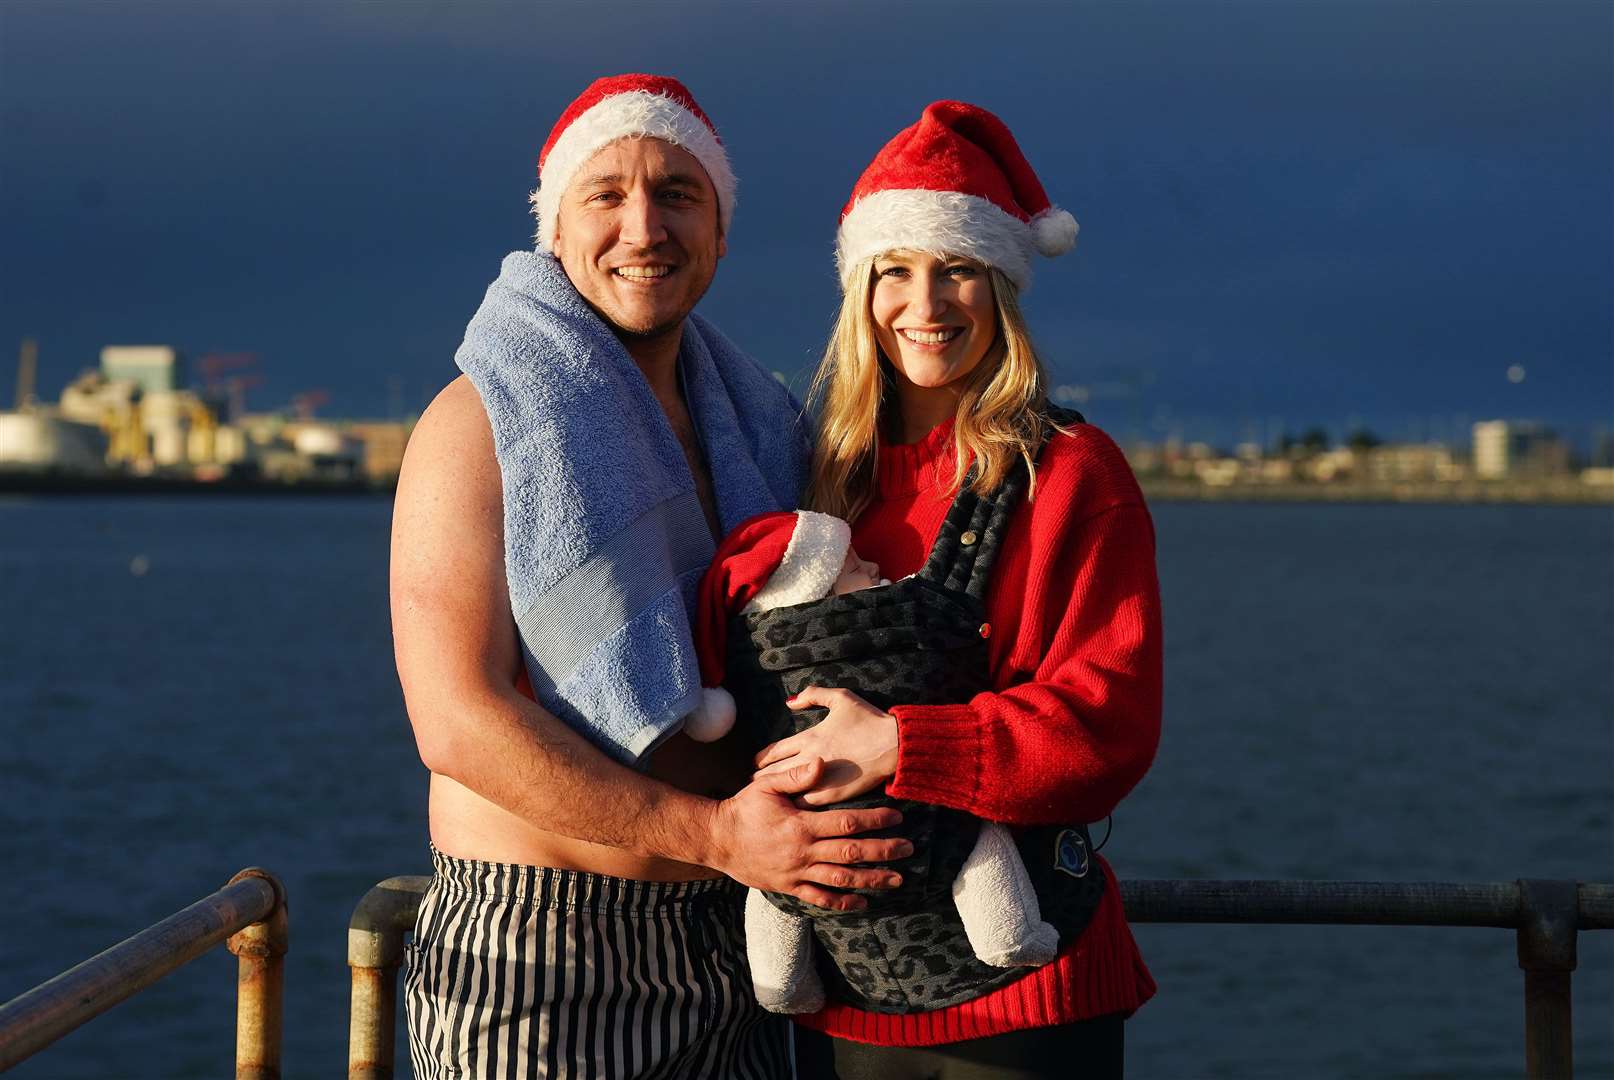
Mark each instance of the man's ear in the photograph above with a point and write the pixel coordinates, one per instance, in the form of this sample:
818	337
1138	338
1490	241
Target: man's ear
722	245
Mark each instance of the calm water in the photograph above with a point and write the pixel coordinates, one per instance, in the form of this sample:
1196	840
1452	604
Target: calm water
1417	693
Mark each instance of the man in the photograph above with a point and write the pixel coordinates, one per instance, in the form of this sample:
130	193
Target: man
556	505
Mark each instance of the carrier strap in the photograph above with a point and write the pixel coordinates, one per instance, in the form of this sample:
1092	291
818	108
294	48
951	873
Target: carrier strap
967	545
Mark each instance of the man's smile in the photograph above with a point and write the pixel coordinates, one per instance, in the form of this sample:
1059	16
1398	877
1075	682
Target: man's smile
643	274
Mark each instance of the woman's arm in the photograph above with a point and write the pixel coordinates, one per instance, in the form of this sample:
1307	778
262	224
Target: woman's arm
1076	719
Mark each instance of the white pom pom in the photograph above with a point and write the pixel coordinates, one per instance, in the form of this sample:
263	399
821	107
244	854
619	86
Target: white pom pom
1054	230
713	717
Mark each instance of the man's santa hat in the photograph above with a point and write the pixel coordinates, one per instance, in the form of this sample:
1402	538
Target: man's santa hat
955	183
772	560
627	106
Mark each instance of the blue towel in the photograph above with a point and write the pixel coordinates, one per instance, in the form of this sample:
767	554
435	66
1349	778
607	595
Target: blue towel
604	537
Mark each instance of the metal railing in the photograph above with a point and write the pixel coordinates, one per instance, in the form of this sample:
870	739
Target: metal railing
375	938
1546	915
249	914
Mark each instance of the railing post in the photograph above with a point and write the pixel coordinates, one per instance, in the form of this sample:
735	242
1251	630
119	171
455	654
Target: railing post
1549	918
260	987
375	941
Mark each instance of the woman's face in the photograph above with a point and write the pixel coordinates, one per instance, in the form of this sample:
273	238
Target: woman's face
934	317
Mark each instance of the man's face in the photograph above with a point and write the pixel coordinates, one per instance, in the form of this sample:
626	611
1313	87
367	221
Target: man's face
637	233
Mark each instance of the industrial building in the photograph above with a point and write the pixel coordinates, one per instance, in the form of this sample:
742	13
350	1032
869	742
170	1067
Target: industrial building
1511	448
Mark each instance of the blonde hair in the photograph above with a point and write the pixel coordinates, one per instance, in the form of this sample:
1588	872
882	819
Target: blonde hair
1002	414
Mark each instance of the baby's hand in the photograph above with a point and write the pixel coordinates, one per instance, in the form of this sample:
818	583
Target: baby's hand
856	741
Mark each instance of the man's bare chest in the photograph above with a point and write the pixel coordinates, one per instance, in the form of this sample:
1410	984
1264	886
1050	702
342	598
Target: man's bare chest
689	441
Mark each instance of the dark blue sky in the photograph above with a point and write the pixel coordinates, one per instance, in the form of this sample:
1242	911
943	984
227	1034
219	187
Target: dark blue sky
1301	212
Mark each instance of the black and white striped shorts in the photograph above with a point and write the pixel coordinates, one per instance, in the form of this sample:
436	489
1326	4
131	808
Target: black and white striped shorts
526	972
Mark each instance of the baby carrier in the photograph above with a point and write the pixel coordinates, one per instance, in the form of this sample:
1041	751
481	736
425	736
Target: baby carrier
919	641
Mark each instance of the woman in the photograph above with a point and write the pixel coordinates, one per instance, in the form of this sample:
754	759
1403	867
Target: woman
930	392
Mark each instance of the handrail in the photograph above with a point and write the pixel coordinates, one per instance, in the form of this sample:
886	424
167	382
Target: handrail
249	912
1380	903
374	950
1546	915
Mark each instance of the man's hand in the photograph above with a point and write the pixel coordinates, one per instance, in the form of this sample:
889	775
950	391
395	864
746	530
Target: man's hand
857	741
763	840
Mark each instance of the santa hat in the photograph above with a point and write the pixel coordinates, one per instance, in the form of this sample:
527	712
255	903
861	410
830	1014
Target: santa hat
772	560
954	183
622	106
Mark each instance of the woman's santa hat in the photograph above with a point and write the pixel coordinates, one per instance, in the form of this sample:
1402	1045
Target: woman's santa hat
772	560
955	183
627	106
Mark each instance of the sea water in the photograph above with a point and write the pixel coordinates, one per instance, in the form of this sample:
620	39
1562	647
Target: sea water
191	686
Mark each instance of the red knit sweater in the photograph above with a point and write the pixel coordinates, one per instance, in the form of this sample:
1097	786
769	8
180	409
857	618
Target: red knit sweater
1073	718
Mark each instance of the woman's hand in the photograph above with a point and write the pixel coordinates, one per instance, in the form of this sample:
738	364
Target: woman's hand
856	742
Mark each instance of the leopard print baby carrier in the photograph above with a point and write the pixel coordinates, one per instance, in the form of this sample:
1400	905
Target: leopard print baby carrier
919	641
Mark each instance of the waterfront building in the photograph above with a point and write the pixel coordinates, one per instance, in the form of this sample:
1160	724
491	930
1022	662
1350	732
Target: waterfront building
153	368
1330	465
307	451
1412	463
40	440
1504	448
113	405
383	442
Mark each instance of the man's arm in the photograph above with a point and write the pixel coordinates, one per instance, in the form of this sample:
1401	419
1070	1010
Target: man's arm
457	654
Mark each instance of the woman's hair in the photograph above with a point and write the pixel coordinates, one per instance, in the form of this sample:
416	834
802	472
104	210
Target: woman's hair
1002	410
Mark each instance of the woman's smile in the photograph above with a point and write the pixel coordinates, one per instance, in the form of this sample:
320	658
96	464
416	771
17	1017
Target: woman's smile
931	339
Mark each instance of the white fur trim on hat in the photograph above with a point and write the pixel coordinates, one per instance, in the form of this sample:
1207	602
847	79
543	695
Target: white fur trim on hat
632	113
813	560
945	222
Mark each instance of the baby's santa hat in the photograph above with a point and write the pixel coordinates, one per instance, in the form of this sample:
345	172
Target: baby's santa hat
955	183
624	106
772	560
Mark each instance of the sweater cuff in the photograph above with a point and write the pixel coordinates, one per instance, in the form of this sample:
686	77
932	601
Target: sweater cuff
938	755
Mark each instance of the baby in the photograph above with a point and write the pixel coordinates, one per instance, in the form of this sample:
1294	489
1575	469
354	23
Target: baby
792	558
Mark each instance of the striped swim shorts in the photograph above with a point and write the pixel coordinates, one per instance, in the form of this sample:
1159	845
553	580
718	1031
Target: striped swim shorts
527	971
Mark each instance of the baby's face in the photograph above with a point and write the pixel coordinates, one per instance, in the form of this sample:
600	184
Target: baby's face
856	574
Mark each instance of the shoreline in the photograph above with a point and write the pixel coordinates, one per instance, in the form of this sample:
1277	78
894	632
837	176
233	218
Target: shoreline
45	483
1155	489
1529	493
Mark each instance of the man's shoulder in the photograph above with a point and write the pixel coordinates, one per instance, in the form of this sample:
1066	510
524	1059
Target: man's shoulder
447	515
455	412
452	434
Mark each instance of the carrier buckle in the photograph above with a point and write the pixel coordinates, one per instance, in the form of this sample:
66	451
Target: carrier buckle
1070	853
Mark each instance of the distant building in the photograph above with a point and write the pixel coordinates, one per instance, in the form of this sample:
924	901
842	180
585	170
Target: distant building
36	440
1330	465
114	407
303	450
149	428
153	368
1505	448
383	443
1411	463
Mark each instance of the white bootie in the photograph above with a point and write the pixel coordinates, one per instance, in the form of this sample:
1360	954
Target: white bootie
994	898
779	947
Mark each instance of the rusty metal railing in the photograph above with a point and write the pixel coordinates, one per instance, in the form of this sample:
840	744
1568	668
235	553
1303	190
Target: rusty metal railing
1546	916
375	938
249	914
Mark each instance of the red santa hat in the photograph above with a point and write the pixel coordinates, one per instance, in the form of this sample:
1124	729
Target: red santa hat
623	106
769	561
955	183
